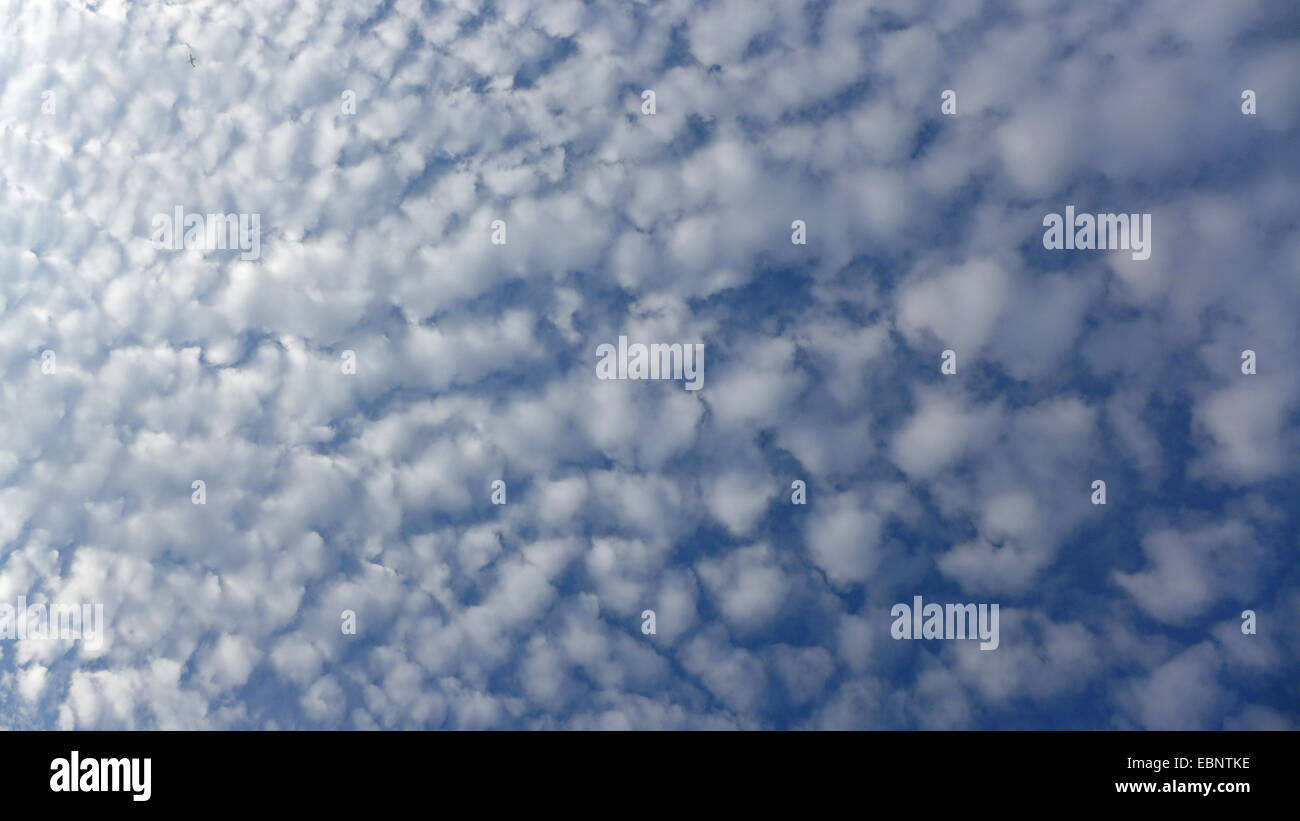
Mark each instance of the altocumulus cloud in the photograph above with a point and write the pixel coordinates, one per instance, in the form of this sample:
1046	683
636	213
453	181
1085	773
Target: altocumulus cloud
349	396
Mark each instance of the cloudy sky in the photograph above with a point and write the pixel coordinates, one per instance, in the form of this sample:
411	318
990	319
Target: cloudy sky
327	491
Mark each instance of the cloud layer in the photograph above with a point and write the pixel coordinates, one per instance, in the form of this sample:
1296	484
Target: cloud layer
371	491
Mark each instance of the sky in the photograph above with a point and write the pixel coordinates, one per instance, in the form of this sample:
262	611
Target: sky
459	202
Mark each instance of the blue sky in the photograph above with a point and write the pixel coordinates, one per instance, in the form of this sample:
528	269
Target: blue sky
379	143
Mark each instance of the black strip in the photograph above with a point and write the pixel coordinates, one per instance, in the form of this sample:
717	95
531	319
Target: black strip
462	774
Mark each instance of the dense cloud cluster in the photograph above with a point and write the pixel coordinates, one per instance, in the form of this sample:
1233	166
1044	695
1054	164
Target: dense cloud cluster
371	491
